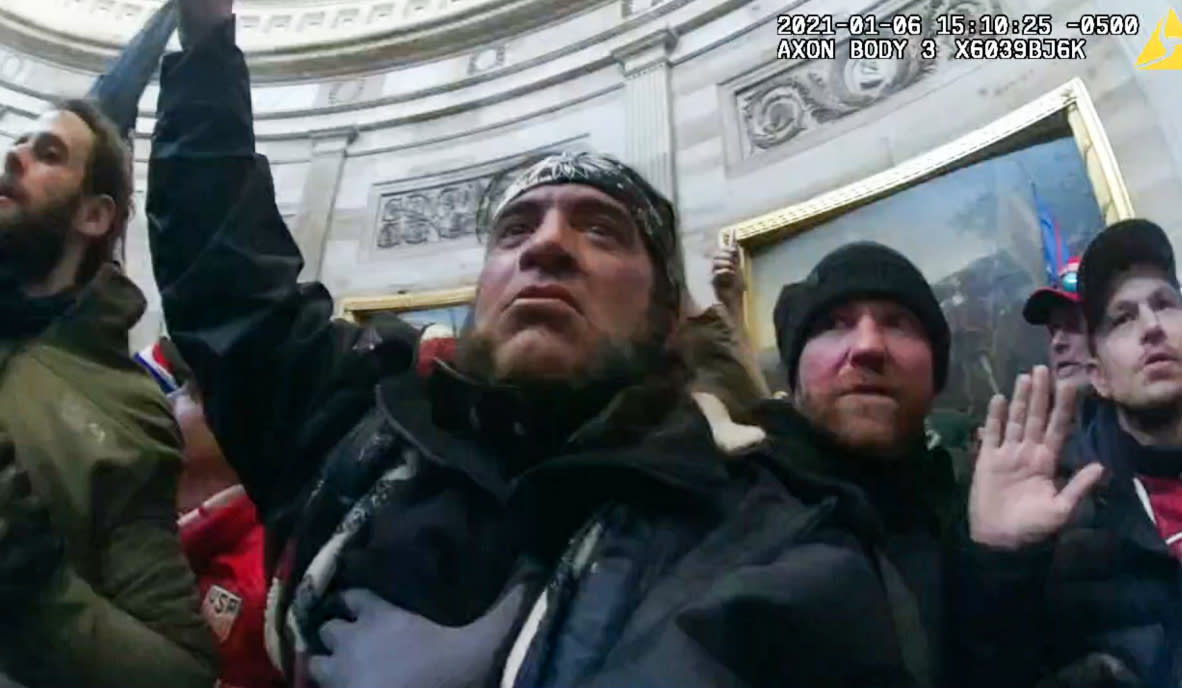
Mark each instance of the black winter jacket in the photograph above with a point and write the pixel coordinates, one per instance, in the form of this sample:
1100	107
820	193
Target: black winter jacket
910	513
657	562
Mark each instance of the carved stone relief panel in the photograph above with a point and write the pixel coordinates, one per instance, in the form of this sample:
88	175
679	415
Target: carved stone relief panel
444	209
809	94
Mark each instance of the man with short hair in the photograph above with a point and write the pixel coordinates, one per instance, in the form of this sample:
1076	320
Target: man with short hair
1114	584
866	347
549	510
1057	307
94	587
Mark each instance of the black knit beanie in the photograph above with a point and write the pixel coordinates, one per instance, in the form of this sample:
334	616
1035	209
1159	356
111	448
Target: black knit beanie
857	270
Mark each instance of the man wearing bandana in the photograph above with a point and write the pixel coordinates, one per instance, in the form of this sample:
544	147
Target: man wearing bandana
552	509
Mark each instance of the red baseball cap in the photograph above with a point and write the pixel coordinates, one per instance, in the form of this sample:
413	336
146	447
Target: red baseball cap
1037	310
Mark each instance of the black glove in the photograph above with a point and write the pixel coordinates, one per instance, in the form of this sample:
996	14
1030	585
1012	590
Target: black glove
1097	670
200	17
30	549
390	647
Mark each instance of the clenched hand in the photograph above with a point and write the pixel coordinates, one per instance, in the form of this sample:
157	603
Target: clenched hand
198	17
1014	500
726	277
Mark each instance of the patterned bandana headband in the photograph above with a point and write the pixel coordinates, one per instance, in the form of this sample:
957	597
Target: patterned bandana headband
652	213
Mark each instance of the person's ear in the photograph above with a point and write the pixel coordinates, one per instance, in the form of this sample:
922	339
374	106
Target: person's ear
1099	379
95	216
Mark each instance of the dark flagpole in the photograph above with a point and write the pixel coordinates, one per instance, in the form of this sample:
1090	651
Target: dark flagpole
119	89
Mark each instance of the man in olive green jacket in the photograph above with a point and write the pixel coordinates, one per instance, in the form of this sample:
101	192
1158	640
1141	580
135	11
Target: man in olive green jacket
94	589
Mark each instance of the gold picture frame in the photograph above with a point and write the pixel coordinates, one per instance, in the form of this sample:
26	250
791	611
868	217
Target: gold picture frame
358	308
1071	99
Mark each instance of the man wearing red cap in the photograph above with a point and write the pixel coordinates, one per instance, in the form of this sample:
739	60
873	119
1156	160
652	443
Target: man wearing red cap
1058	308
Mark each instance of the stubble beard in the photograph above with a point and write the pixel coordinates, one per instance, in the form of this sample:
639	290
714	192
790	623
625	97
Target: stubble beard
849	429
1155	417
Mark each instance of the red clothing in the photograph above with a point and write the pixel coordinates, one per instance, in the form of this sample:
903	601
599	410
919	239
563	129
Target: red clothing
223	541
1165	508
438	343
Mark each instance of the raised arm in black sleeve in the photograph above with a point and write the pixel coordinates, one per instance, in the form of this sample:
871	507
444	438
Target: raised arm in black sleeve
281	380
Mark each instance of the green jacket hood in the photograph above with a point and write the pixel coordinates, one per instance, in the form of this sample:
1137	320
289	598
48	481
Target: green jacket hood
96	326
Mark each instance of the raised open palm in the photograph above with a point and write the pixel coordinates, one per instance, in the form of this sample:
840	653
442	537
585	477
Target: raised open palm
1014	500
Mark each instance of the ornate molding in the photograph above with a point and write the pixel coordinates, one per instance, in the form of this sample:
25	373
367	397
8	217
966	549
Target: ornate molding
631	8
297	38
486	60
333	141
345	92
11	65
446	208
810	94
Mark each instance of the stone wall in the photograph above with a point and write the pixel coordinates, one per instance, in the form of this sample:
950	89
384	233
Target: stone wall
378	171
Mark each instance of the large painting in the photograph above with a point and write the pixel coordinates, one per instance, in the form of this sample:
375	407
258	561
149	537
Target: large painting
968	215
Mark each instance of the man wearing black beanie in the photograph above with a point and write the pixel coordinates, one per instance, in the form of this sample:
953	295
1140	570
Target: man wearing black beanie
866	348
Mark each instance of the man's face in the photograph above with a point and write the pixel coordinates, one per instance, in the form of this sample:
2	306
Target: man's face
1067	350
40	192
567	276
865	377
1139	342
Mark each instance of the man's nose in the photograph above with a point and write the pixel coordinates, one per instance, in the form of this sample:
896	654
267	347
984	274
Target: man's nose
14	159
550	247
1150	323
868	345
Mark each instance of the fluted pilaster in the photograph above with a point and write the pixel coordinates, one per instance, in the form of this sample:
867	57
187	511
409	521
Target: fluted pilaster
648	102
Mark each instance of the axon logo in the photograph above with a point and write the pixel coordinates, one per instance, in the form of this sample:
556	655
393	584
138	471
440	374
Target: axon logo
1163	50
